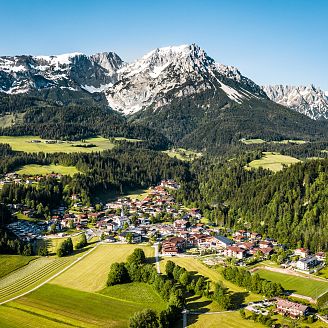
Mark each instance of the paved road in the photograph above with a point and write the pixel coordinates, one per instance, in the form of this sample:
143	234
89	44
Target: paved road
157	258
52	277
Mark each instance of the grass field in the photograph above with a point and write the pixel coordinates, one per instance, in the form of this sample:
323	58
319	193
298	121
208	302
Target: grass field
10	263
272	161
303	286
91	273
35	169
182	154
63	307
24	143
252	141
30	275
323	273
136	292
260	141
53	243
224	320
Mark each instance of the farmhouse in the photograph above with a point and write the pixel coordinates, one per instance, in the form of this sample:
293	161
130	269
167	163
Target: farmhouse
292	309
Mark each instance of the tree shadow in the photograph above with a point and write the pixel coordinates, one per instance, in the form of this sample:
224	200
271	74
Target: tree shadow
151	260
238	299
200	306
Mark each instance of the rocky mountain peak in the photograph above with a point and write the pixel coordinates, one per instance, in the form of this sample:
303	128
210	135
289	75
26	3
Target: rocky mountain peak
309	100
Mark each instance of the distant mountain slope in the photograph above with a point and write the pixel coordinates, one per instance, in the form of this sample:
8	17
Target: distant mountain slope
75	71
307	100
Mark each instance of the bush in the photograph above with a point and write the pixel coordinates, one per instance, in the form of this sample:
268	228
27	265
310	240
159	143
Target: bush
138	257
65	248
144	319
118	274
82	242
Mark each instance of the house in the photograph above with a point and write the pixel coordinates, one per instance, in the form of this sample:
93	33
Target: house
180	224
266	251
136	238
222	242
265	244
321	256
173	245
302	252
292	309
235	251
307	263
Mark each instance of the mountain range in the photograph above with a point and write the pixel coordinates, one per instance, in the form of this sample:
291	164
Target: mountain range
154	80
179	91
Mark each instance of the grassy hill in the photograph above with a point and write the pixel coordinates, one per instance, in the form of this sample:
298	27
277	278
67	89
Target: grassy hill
273	161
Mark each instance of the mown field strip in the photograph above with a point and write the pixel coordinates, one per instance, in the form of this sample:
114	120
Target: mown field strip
34	277
35	284
26	281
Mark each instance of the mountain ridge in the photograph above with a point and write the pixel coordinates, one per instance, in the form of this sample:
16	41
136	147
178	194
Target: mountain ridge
308	100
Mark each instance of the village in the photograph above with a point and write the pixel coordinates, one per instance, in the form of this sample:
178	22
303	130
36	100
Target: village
158	219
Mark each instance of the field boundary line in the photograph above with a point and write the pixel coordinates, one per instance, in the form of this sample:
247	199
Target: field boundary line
52	277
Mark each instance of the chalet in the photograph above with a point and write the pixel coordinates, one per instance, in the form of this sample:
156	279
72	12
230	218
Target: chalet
307	263
292	309
201	240
235	251
302	252
266	251
247	245
173	245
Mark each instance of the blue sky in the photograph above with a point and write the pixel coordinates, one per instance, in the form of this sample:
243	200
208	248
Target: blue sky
270	41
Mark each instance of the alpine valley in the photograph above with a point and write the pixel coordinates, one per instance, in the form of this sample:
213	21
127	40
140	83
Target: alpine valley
170	191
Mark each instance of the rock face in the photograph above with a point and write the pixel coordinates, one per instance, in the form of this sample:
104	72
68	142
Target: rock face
307	100
172	72
75	71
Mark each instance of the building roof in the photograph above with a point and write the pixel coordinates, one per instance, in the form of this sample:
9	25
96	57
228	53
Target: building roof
224	240
291	305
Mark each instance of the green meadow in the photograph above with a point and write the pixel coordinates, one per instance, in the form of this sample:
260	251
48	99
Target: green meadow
35	169
182	154
272	161
26	144
10	263
299	285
